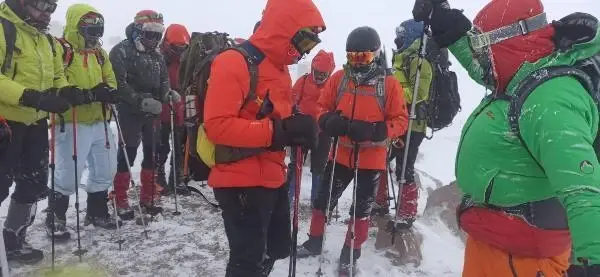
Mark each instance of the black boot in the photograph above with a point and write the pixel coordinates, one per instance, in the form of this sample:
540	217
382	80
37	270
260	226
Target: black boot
345	264
97	211
161	178
57	208
20	216
310	248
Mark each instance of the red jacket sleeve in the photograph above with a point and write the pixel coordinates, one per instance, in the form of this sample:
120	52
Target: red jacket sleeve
395	107
227	89
297	90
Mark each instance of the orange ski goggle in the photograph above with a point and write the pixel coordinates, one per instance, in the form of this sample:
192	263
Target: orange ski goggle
360	58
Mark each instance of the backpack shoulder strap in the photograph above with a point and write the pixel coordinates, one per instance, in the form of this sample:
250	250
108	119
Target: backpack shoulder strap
67	52
341	89
380	93
253	57
538	77
52	46
10	38
99	53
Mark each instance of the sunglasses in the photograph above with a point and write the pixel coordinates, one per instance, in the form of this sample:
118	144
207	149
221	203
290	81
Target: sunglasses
306	39
151	36
43	6
360	58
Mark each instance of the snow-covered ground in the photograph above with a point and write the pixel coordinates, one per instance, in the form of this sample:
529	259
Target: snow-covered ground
194	243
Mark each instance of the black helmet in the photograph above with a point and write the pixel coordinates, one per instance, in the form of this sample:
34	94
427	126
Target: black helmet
363	39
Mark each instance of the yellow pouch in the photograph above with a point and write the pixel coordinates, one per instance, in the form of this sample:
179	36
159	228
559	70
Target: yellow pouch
205	148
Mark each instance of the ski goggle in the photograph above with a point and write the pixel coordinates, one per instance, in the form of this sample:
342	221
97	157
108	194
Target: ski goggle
320	76
306	39
177	49
360	58
43	6
92	31
151	36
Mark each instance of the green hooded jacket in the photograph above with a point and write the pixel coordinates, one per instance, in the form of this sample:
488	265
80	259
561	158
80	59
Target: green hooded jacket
558	123
85	70
33	66
408	84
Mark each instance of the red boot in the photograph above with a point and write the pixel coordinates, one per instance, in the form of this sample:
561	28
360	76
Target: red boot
409	198
150	192
121	183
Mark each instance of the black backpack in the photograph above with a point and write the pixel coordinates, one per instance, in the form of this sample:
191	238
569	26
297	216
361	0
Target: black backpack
444	100
587	72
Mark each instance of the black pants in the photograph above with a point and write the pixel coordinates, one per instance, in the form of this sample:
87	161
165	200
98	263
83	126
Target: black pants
138	129
25	162
318	157
416	138
368	180
257	223
165	148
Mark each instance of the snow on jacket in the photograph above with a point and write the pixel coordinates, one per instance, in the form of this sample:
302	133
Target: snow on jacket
306	91
408	82
85	71
229	83
558	123
35	68
175	34
138	74
366	109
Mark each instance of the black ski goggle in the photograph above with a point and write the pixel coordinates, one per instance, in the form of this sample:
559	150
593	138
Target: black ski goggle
92	31
305	40
177	49
320	76
151	36
43	6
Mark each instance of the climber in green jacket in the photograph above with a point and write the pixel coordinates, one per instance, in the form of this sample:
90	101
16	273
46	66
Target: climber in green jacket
526	161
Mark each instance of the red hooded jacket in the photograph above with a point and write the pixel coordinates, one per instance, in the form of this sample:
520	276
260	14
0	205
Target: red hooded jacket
306	91
229	85
174	35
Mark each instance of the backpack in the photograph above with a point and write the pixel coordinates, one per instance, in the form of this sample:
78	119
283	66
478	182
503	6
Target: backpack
68	53
194	72
444	100
587	72
10	39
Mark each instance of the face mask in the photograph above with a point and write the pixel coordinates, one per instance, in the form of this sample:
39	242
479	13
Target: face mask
320	77
483	56
92	29
150	39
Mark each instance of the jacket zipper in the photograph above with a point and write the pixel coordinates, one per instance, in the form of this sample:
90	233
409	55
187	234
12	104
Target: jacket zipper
14	71
488	191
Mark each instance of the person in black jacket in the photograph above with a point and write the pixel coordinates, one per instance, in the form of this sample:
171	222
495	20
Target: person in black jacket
143	82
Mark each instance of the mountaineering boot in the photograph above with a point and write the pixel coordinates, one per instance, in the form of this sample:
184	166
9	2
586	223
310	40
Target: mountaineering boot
20	216
150	193
181	188
97	211
310	248
345	265
267	267
58	209
407	210
121	183
161	178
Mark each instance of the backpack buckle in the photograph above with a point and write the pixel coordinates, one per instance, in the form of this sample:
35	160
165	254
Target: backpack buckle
524	27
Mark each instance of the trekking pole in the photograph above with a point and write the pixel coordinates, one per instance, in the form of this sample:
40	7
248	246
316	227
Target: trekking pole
154	166
334	149
412	117
52	182
173	154
294	248
353	226
79	251
120	239
391	178
3	260
186	159
124	147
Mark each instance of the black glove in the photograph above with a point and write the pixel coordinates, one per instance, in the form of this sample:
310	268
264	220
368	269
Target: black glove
45	101
380	131
584	271
448	26
296	130
4	136
422	8
333	124
105	94
361	130
74	95
574	29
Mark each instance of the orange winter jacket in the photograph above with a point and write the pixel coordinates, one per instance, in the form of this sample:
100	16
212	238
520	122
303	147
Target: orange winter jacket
367	109
306	91
229	83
